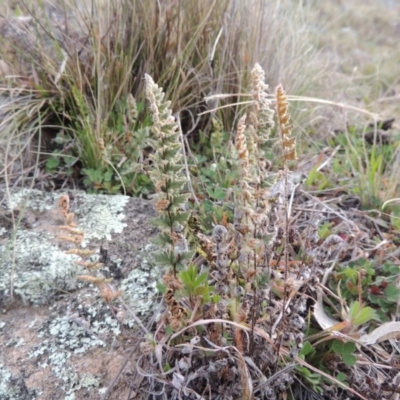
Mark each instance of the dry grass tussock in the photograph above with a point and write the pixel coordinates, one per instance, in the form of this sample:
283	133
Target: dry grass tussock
69	68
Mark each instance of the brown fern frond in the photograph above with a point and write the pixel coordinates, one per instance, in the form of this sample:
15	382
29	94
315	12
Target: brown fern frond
63	203
71	230
90	265
161	204
81	252
69	219
246	194
241	146
96	280
263	116
131	110
283	116
102	147
108	293
172	282
252	147
71	239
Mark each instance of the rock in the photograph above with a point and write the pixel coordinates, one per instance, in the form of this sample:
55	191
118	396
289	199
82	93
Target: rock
58	337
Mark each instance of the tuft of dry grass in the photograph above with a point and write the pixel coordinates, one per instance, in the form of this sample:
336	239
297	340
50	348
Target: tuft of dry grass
71	66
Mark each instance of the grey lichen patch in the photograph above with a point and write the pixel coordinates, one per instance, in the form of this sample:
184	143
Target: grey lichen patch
73	334
40	268
36	267
98	319
33	199
77	342
15	342
100	216
140	287
5	377
13	388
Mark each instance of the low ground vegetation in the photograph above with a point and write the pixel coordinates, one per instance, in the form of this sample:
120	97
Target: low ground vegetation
278	242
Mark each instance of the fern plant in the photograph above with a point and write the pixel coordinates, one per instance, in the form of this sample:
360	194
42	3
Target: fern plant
168	180
243	294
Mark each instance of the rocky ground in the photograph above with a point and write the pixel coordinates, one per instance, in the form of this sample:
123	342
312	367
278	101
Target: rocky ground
58	338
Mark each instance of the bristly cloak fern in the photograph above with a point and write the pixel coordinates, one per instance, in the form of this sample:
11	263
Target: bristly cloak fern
168	179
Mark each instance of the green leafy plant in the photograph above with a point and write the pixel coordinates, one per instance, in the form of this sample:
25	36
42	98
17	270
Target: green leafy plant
224	302
375	285
356	274
195	285
360	314
312	378
345	350
325	230
317	180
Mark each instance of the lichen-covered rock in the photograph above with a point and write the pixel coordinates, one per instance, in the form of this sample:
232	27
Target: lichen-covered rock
58	338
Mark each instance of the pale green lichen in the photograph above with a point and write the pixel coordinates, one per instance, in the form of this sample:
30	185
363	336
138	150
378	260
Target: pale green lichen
140	286
63	337
14	388
32	198
40	269
16	342
102	216
5	377
97	215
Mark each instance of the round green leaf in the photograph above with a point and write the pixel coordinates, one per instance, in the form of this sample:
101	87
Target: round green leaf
52	163
349	359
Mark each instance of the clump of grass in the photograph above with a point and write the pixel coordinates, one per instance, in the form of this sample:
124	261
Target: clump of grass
74	67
